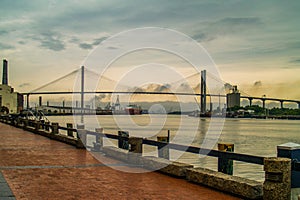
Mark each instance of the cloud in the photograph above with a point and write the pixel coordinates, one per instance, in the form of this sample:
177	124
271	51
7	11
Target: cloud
239	21
99	40
24	85
232	25
3	32
51	41
4	46
112	48
257	84
74	40
22	42
96	42
202	37
296	61
228	87
85	46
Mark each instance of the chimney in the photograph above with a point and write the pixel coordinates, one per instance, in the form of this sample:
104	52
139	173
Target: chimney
40	101
4	76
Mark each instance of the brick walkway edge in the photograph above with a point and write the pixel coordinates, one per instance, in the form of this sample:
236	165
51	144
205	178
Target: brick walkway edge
36	167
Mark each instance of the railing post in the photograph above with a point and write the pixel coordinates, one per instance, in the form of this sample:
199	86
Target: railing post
18	122
98	144
37	125
123	139
277	183
136	145
47	126
163	151
225	165
291	150
70	132
42	124
81	136
55	128
25	123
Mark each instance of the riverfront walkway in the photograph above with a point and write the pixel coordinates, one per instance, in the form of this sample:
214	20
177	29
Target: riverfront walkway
35	167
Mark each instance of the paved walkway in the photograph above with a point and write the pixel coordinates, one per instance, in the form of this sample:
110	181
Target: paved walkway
36	167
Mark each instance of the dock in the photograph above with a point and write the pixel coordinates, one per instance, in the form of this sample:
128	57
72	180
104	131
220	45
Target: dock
36	167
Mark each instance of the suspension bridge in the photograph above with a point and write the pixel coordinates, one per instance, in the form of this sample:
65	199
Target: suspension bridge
201	87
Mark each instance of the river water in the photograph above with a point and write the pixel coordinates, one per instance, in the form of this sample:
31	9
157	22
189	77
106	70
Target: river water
249	136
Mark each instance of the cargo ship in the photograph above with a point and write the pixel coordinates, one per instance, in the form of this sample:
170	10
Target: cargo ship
117	109
133	110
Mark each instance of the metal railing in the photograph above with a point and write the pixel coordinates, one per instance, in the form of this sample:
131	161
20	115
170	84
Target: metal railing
55	127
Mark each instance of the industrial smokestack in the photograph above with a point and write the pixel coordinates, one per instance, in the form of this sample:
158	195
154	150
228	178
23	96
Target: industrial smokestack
4	76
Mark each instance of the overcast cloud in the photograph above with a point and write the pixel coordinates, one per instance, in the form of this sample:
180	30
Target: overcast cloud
243	37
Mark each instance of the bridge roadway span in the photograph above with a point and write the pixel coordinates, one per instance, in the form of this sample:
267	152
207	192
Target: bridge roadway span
263	99
36	167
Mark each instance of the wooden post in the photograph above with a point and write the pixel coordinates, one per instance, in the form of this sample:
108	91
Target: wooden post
225	165
55	128
163	150
123	139
277	183
98	144
136	145
70	132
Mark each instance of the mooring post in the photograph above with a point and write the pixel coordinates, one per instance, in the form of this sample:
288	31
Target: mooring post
291	150
98	144
163	150
123	139
81	136
136	145
277	183
70	132
54	128
225	165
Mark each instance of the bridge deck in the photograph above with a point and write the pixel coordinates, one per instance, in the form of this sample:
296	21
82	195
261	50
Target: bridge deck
39	168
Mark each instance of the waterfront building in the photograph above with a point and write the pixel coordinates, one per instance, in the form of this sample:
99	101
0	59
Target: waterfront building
10	101
233	98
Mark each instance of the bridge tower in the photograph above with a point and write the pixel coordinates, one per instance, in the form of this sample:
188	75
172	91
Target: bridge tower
82	89
203	92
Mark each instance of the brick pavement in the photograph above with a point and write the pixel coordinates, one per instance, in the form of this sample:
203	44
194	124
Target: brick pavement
36	167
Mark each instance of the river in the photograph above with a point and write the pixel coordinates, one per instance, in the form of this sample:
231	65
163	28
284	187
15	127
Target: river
249	136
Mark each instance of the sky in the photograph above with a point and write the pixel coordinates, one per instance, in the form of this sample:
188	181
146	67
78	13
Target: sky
255	44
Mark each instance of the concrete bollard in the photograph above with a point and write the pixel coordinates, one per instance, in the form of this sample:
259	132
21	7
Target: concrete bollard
81	136
136	145
277	183
55	128
291	150
70	132
98	144
123	139
163	151
225	165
